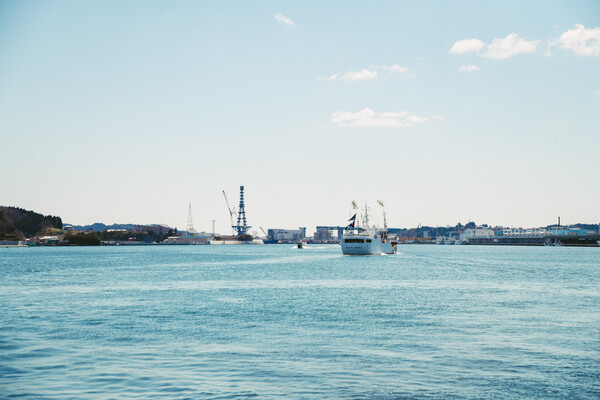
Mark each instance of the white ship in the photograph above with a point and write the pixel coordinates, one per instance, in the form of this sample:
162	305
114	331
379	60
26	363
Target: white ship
364	241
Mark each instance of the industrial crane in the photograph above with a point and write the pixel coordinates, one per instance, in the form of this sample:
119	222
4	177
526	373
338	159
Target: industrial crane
263	231
232	213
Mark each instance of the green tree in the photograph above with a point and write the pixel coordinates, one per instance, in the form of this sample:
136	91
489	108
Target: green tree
83	239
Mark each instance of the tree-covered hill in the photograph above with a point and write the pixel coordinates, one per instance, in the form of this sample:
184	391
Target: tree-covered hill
7	230
16	222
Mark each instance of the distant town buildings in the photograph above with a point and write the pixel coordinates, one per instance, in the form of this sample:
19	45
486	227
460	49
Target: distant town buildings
323	234
476	232
287	235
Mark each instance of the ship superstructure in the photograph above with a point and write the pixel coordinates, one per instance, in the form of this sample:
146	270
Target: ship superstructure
367	240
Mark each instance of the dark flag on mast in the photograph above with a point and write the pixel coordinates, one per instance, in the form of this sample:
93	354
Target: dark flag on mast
351	224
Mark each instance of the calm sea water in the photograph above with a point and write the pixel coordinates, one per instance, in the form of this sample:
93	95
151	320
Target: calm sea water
274	322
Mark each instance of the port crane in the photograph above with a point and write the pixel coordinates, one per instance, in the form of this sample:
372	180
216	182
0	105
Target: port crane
263	231
232	212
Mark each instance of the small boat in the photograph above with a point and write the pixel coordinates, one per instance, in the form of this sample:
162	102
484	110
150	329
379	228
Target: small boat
447	241
301	245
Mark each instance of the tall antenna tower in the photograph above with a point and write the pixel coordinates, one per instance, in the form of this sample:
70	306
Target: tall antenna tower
242	226
190	224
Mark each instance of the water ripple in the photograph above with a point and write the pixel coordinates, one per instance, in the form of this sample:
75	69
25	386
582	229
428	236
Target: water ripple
270	322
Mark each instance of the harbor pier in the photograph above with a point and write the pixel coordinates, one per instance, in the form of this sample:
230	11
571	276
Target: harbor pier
538	240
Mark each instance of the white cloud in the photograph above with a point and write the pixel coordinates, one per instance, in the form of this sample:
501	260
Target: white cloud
367	74
468	68
583	42
466	45
369	118
397	68
597	92
328	78
511	45
284	20
362	75
439	117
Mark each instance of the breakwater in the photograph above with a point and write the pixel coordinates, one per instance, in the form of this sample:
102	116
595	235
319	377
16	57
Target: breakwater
538	240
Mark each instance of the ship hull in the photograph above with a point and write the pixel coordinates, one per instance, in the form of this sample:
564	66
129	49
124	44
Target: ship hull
237	242
367	246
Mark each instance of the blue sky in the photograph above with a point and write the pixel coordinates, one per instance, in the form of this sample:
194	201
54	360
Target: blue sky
448	111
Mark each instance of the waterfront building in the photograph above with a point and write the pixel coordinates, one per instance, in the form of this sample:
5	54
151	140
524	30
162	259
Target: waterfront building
48	240
558	230
524	232
471	233
287	235
12	243
323	234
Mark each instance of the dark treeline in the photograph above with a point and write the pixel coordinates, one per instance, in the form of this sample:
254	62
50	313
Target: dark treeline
149	236
7	230
27	223
83	239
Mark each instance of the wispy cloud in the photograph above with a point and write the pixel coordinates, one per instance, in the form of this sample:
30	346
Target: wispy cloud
467	45
367	74
399	69
468	68
369	118
597	92
284	20
583	42
351	76
499	49
362	75
511	45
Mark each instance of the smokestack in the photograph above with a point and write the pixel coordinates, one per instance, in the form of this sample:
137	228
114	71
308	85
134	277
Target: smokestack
558	221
